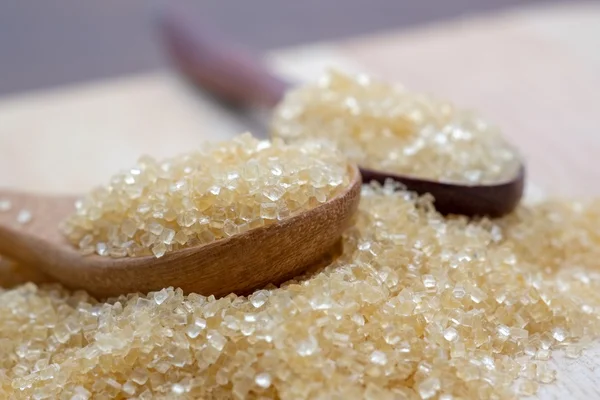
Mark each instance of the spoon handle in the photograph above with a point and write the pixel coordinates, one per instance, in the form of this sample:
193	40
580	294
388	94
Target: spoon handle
212	63
236	76
29	228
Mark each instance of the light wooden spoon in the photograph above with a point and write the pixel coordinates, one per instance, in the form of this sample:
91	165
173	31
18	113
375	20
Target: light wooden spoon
239	264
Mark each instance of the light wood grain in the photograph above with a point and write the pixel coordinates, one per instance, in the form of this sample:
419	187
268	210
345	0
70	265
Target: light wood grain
534	72
69	139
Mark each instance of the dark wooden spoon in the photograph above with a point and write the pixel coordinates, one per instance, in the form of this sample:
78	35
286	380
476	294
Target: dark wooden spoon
237	77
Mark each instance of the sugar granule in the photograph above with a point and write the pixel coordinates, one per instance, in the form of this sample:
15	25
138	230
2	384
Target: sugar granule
212	193
372	325
385	127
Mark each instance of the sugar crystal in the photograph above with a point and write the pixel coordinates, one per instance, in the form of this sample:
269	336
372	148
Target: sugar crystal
159	250
546	375
307	347
573	351
450	334
459	292
268	211
167	236
543	354
327	333
478	295
217	340
385	127
102	249
559	334
129	388
259	298
503	331
263	380
429	281
378	357
528	387
230	228
139	376
429	387
161	296
155	228
178	389
165	205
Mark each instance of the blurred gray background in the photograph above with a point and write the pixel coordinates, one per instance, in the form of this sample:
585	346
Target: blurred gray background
45	43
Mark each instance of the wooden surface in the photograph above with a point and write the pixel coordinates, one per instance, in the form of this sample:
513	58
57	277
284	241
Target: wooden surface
534	72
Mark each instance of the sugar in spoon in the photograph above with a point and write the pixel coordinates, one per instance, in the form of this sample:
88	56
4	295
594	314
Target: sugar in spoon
240	263
237	77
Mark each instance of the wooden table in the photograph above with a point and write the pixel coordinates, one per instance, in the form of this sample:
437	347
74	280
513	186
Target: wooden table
535	72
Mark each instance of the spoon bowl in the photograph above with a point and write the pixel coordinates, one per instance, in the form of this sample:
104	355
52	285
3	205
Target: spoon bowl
492	200
239	264
237	77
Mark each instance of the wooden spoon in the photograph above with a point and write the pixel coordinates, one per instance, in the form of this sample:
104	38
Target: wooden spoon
237	77
239	264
